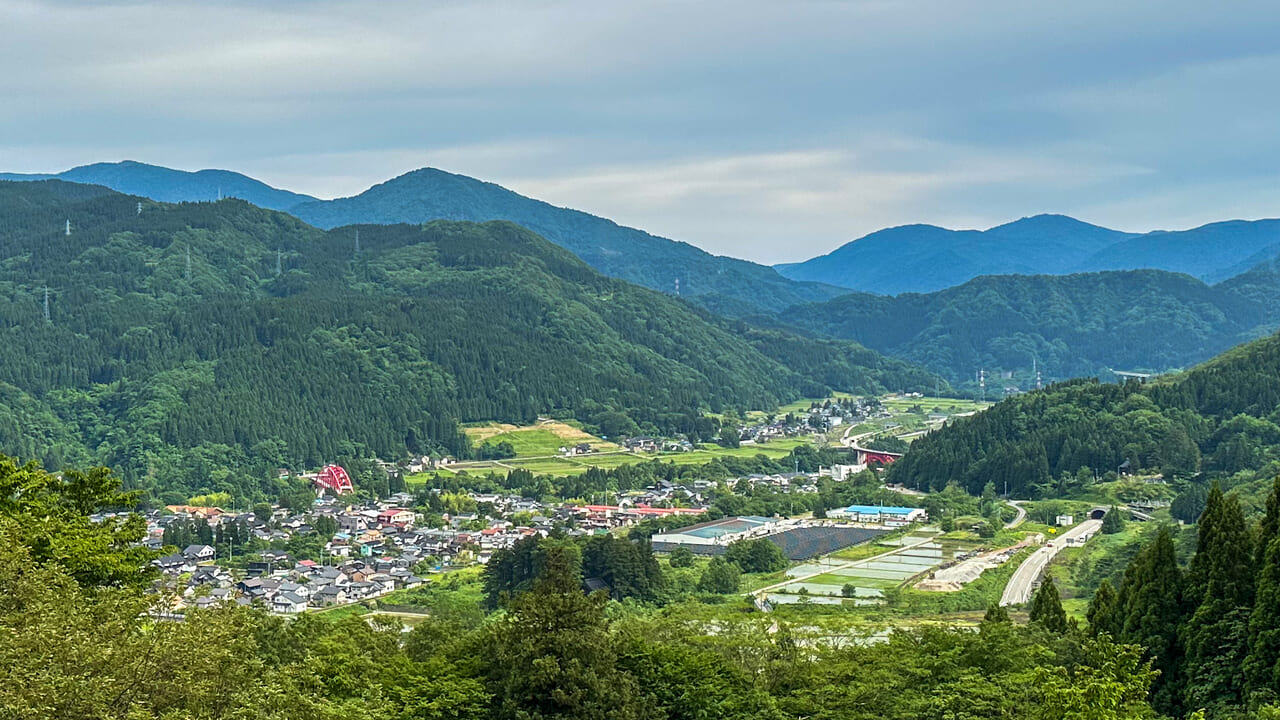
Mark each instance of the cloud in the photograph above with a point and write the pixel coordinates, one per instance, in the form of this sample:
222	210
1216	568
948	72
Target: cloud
761	129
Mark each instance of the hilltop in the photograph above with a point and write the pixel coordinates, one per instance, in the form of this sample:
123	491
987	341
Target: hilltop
1218	420
926	258
1071	325
728	284
168	185
187	343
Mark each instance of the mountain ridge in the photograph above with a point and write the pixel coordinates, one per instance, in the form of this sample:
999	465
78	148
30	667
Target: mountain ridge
1073	325
221	334
431	194
928	258
168	185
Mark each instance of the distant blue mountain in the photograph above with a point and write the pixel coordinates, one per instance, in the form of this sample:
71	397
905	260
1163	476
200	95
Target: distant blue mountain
727	285
167	185
925	258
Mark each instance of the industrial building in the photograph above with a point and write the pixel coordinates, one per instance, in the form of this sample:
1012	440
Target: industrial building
884	515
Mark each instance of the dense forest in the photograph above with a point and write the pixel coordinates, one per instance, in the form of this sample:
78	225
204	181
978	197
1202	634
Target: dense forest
633	255
1220	420
1211	628
1067	326
197	347
79	643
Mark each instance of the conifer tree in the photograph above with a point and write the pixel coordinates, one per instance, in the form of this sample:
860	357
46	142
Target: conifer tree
1046	608
1103	611
1269	528
1150	612
1112	521
1216	635
996	613
1262	664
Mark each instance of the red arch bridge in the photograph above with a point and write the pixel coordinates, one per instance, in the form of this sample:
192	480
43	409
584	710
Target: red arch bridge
334	479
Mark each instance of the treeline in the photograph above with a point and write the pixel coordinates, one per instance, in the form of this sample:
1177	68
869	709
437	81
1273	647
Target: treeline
624	568
80	642
198	347
1220	420
1211	629
600	484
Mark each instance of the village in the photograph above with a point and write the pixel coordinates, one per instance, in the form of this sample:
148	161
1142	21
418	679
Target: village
339	550
338	553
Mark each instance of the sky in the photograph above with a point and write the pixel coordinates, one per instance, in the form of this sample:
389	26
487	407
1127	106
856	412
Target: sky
772	131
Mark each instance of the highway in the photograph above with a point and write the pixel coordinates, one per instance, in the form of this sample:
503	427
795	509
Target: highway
1018	591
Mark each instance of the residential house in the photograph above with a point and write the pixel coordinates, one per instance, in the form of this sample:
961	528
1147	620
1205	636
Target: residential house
199	553
288	603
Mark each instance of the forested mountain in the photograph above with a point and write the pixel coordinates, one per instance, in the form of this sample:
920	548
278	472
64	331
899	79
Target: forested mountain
926	258
1072	325
185	344
623	252
167	185
1220	420
728	285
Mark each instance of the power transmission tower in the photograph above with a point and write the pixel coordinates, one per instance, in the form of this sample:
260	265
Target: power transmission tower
68	228
139	207
982	385
357	242
677	287
279	261
188	262
47	318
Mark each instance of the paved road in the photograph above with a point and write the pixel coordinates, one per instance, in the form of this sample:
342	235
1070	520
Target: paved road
1018	591
1022	514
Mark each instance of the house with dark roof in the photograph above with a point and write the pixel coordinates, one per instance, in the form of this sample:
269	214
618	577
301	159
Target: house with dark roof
199	553
288	603
175	564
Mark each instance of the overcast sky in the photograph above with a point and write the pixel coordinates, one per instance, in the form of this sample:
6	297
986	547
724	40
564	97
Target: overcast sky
770	130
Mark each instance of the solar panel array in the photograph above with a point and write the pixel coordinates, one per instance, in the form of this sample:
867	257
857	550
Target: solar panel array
804	543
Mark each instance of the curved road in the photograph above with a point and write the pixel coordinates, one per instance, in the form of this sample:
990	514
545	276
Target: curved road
1020	518
1018	591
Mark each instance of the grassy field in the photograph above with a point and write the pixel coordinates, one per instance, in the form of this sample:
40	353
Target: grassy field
537	446
578	464
545	438
950	406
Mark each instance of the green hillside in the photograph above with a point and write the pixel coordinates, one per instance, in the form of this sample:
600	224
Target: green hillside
198	346
1220	420
1073	326
623	252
